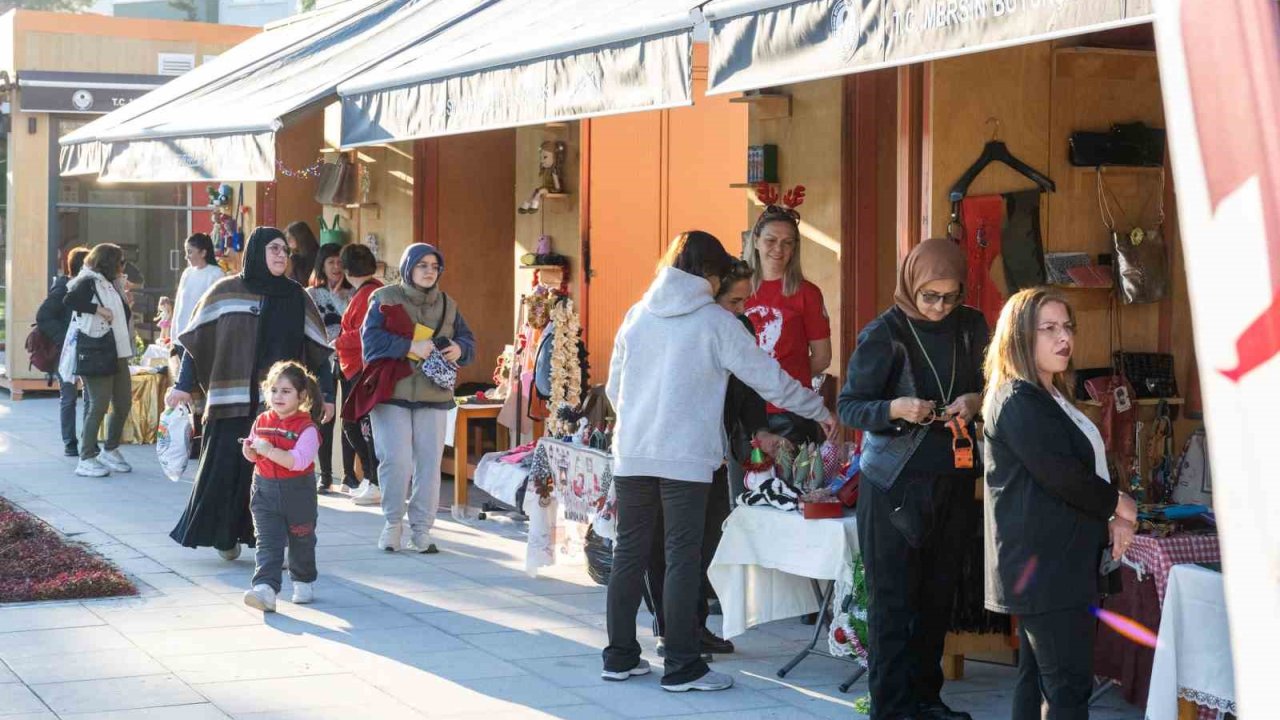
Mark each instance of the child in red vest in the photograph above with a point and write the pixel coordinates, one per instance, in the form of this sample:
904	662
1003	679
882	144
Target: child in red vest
282	446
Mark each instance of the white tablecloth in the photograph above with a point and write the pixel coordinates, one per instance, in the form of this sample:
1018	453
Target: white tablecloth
766	559
1193	654
501	480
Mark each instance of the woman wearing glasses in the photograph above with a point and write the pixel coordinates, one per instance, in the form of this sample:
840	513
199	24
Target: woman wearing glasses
914	388
788	312
264	304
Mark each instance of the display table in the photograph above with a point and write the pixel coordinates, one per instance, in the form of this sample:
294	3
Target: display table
145	405
1193	655
458	435
573	488
1118	659
767	559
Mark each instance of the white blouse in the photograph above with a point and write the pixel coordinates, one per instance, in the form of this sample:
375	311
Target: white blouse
1090	431
191	287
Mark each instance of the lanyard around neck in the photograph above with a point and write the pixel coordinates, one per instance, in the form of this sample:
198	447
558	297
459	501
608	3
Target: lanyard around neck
946	394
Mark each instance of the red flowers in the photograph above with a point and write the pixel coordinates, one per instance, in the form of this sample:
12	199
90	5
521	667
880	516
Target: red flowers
37	564
841	636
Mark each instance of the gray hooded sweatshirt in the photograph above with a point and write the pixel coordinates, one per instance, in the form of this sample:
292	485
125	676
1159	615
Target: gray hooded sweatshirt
671	363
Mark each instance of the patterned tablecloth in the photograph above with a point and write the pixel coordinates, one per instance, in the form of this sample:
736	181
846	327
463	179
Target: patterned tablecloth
570	487
1157	556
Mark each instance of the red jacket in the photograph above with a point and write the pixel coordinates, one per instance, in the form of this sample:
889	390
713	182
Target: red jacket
283	434
377	380
350	350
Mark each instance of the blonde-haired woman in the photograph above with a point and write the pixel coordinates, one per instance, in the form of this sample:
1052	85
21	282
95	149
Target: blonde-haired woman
788	312
1051	506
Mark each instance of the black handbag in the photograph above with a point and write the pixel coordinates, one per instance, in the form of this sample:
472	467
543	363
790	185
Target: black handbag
96	356
1151	374
1130	144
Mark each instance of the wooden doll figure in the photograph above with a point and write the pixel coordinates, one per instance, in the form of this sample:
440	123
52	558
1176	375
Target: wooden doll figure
550	173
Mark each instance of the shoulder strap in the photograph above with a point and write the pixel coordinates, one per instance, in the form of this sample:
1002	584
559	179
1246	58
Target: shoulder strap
444	314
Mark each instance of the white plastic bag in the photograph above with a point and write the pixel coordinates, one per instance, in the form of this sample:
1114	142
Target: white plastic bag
173	441
67	360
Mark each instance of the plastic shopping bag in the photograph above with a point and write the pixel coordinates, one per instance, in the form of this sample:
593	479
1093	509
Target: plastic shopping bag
173	441
67	361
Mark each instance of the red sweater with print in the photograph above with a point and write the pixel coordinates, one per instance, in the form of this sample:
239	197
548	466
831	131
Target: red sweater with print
285	434
349	347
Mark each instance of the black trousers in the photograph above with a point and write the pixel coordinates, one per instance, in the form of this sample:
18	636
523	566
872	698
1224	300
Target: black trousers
911	589
67	413
359	436
683	506
719	504
1055	665
326	442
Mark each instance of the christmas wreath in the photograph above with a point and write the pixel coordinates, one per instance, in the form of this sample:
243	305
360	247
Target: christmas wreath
848	634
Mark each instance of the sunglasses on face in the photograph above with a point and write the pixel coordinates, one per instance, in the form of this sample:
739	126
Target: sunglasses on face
928	297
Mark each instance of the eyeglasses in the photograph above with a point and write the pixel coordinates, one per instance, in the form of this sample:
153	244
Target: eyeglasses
929	297
1055	330
277	249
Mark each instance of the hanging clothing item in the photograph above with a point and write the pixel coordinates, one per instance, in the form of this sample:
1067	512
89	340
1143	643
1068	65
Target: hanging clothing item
982	219
1022	248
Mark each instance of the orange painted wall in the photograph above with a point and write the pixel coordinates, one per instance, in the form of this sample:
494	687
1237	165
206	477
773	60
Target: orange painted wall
654	175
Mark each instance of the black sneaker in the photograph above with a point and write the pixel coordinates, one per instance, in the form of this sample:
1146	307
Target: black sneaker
71	449
662	651
712	643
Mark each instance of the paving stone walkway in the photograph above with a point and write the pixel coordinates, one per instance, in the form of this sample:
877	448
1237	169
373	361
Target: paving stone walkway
465	633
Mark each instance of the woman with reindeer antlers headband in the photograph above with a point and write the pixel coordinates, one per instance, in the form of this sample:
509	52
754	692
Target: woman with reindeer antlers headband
788	312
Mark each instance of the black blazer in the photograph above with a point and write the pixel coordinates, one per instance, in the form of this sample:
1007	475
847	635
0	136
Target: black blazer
1044	505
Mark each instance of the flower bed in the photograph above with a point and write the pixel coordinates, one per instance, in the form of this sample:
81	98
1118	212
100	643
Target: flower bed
36	563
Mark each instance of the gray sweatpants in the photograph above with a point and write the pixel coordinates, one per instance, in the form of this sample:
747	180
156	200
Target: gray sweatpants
410	444
284	513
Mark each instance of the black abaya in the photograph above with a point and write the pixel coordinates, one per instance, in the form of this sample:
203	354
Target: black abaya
217	514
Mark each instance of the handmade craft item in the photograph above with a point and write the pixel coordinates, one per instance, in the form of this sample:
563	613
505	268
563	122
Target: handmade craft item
550	175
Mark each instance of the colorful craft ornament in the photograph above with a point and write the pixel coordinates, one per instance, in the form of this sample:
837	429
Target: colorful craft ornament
566	371
758	468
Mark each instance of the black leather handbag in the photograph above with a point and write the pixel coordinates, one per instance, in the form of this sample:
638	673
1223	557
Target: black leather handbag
96	356
1130	144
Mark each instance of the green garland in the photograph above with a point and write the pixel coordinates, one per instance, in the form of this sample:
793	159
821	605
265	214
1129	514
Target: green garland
848	634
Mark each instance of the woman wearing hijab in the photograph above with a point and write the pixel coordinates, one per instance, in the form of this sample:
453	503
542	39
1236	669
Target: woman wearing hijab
914	386
671	362
410	411
260	303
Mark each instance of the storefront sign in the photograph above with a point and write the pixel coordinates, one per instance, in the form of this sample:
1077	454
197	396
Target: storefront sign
793	42
82	93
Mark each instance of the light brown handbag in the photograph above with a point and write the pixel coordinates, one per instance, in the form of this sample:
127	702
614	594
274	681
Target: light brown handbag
336	183
1141	257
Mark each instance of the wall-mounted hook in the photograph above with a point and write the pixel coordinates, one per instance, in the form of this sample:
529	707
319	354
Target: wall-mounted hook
995	132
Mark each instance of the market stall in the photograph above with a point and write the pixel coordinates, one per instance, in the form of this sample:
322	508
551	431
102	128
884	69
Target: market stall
1193	640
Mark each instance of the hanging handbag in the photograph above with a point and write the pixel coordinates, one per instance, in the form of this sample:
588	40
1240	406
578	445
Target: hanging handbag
1151	374
336	183
1116	396
1141	260
1132	144
332	234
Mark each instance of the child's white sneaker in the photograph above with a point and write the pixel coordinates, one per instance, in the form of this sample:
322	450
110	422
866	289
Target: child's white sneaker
261	597
303	594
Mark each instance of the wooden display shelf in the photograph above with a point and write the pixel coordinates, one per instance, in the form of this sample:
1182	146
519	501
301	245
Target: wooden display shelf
767	106
361	207
560	268
1144	402
557	196
752	185
1118	169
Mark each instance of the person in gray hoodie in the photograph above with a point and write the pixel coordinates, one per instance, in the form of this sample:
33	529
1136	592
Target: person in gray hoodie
672	358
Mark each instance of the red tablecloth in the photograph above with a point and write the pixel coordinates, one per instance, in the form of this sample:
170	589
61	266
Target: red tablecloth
1124	661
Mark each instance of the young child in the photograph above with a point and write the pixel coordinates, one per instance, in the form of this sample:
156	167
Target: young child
282	446
164	319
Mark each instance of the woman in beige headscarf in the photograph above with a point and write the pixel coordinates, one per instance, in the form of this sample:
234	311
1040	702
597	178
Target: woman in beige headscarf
914	388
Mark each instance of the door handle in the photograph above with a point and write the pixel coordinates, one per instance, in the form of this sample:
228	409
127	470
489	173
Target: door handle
173	260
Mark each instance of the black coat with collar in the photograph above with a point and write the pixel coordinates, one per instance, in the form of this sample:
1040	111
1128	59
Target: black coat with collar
1045	506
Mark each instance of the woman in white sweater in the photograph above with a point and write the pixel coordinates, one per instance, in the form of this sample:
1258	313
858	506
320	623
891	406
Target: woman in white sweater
201	273
671	363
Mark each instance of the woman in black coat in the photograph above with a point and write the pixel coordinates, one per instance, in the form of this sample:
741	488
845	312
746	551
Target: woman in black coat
1051	507
54	320
916	368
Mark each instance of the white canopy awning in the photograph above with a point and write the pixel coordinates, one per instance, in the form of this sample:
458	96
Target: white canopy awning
218	122
523	62
763	43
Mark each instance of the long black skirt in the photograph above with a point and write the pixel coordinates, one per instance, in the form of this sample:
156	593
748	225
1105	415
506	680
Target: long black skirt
217	514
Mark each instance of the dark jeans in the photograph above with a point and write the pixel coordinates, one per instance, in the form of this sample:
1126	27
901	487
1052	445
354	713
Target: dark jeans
911	589
683	505
284	514
358	436
325	460
718	507
67	397
1055	665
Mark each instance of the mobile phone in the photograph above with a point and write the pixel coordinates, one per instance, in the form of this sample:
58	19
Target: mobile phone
1108	564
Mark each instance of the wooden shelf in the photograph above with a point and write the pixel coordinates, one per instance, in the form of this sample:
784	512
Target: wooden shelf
752	186
361	207
767	106
1143	402
557	196
560	268
1118	169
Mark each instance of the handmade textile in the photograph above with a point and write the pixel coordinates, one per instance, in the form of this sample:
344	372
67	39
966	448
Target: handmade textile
559	503
582	479
766	559
1193	656
1022	248
983	219
1157	556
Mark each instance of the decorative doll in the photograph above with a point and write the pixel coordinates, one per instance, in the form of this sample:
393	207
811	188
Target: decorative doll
164	318
550	173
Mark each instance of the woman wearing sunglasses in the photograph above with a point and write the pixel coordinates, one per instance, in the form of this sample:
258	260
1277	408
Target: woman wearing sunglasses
914	388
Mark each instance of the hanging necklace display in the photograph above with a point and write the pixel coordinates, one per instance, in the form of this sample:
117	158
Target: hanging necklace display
1141	259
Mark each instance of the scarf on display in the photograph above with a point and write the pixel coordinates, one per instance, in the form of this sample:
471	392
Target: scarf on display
931	260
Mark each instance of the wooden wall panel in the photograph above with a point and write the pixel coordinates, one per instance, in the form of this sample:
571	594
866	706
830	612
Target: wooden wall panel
298	146
625	223
559	216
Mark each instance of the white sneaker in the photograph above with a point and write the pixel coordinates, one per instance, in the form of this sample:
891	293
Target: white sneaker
261	597
360	489
303	594
389	540
710	682
421	543
92	468
368	495
114	460
230	555
641	668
